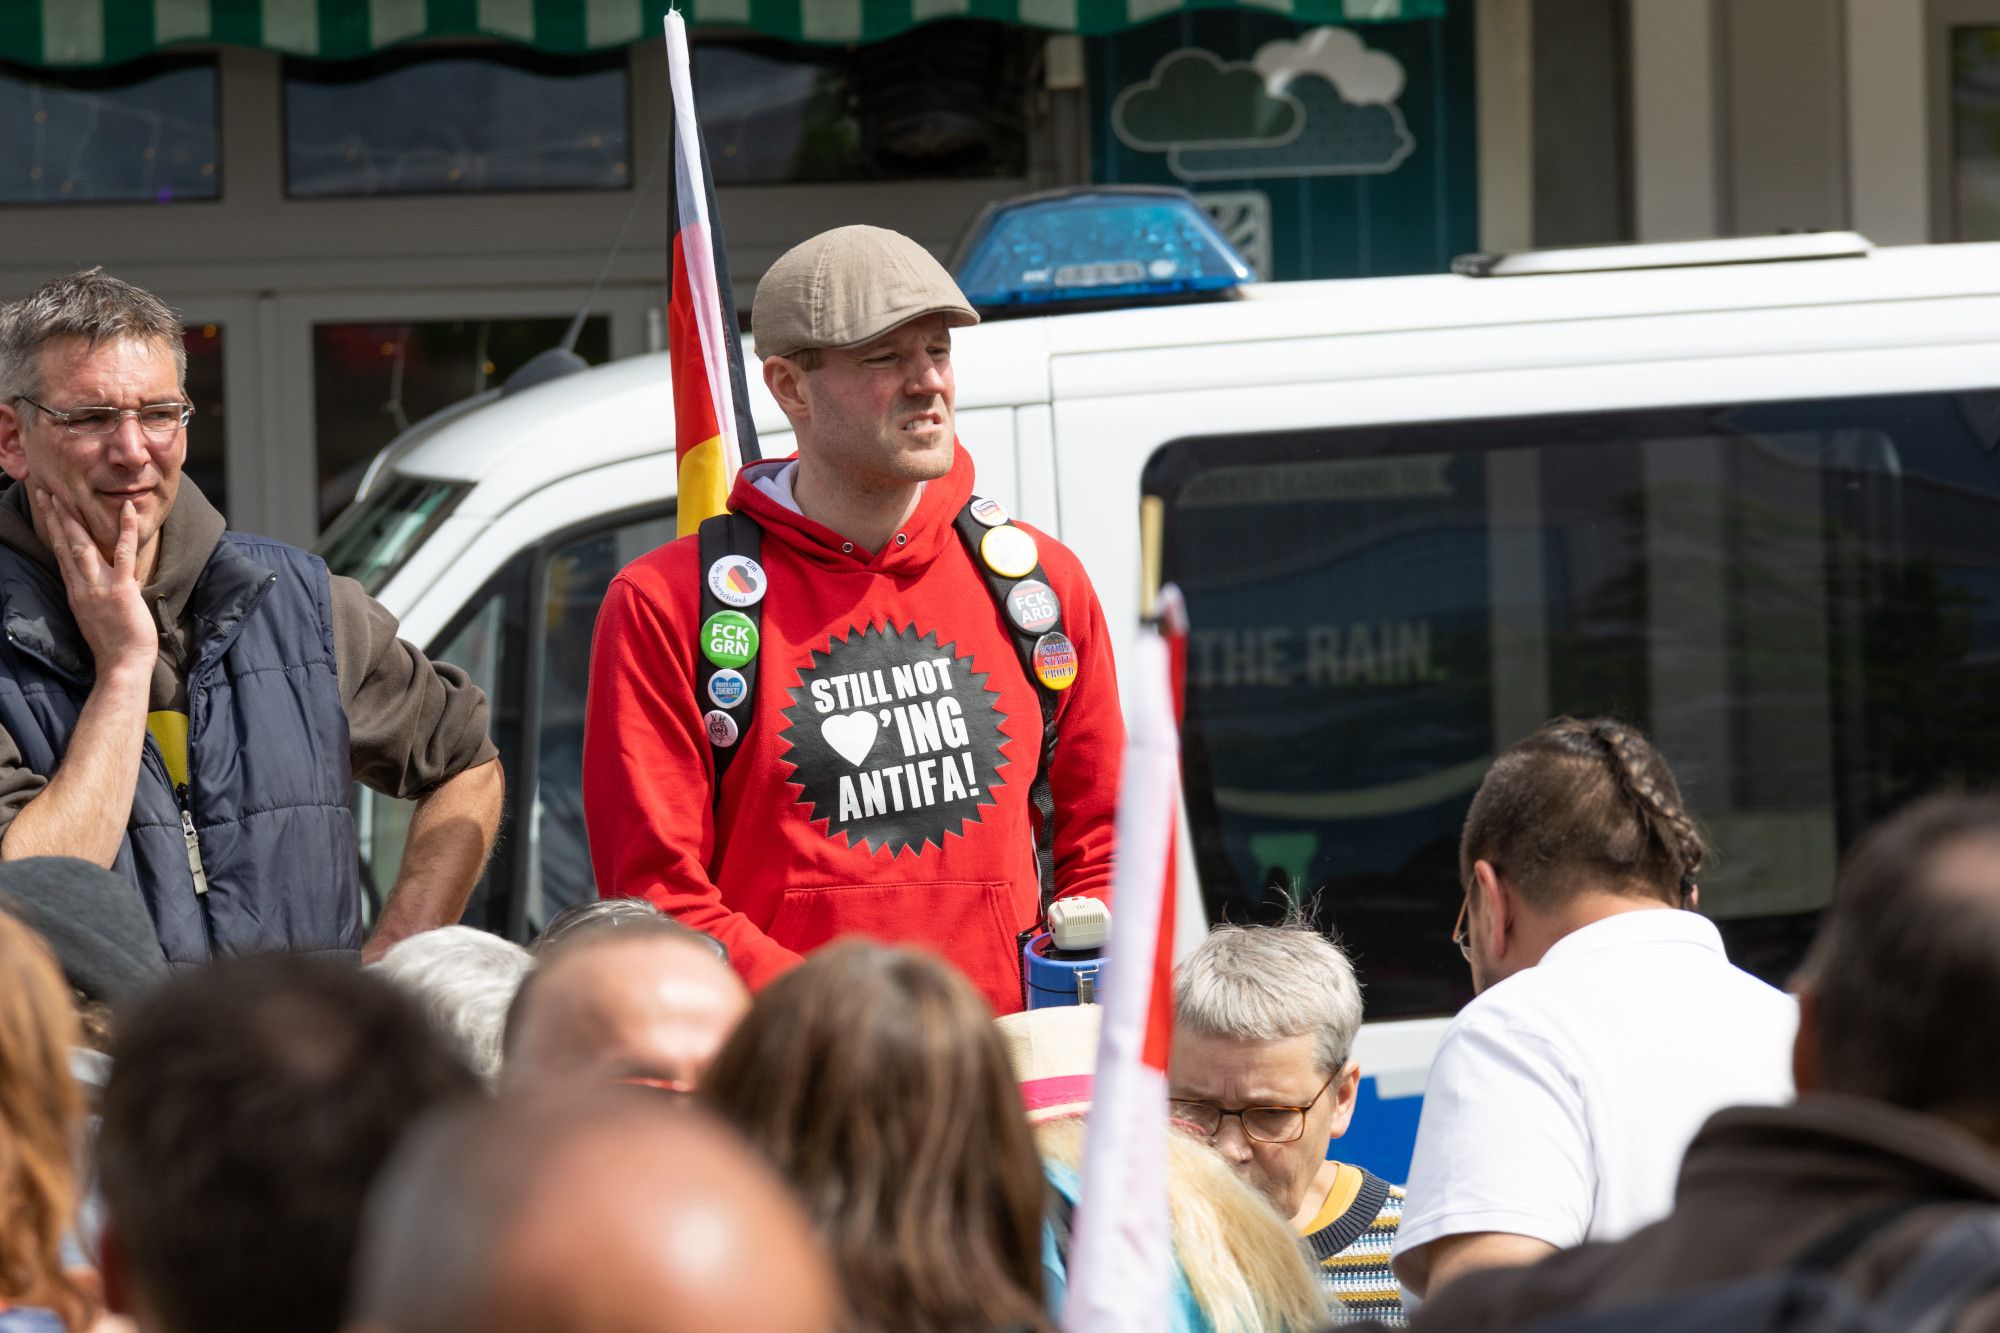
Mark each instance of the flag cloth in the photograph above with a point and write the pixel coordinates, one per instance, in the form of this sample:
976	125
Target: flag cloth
713	434
1121	1256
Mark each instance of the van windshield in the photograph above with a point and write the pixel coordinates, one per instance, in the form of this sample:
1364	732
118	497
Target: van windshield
376	536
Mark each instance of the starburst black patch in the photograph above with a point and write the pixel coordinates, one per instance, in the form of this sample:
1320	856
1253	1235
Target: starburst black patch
894	740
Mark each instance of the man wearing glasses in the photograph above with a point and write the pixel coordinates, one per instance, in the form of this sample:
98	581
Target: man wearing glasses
188	706
1264	1026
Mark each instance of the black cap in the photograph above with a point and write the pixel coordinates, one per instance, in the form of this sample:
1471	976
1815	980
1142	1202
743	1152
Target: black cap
94	921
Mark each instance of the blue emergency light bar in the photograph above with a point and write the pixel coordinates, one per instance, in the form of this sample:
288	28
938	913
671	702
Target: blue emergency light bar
1099	245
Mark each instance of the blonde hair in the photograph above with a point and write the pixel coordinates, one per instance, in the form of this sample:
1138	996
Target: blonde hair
1247	1271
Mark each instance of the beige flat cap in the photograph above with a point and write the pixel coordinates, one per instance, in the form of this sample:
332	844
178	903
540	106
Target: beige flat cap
848	285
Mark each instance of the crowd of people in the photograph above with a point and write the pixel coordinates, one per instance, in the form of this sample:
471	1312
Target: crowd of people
610	1132
780	1077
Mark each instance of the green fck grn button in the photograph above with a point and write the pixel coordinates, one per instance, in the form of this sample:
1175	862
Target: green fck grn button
728	639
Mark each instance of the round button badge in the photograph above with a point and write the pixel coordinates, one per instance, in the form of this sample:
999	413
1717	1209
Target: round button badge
728	639
1008	552
1033	606
989	512
1055	661
737	580
722	729
726	688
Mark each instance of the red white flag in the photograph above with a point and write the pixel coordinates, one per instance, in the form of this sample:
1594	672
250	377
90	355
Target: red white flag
1121	1256
713	435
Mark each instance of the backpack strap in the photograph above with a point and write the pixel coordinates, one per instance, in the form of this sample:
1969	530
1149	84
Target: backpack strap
727	694
1033	615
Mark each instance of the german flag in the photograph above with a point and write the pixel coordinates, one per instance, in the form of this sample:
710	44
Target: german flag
713	433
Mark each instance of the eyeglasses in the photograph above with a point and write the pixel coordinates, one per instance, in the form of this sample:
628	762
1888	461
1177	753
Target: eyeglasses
159	420
1459	936
1265	1124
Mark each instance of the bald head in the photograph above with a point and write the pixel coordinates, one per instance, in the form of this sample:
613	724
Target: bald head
623	1005
628	1213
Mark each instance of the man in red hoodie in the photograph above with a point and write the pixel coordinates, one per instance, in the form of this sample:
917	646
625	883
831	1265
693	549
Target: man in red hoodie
879	781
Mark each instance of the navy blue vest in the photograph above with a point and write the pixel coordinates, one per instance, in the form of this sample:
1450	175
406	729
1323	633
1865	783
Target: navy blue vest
268	775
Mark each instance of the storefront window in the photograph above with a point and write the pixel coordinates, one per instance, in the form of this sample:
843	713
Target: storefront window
447	124
373	381
946	99
1975	114
143	133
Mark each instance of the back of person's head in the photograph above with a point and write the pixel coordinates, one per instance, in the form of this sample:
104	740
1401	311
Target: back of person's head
648	1001
874	1079
1268	983
607	1210
466	979
96	925
600	916
251	1104
1243	1265
1583	805
1899	986
41	1112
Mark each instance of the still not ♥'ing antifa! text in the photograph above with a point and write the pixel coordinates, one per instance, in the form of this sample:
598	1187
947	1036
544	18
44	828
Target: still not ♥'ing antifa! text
894	739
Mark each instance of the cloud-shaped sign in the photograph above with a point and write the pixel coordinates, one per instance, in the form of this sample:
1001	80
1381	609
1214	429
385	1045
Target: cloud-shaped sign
1194	98
1337	138
1338	55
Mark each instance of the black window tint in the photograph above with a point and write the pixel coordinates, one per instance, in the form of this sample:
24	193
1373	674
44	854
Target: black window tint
1800	601
576	576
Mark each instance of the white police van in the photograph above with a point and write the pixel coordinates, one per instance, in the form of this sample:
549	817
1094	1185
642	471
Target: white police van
1745	494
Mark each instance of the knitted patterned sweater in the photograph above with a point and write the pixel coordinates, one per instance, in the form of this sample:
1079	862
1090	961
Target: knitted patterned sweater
1351	1251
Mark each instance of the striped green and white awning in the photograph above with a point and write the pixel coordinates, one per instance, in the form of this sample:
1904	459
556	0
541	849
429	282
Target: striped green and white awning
73	33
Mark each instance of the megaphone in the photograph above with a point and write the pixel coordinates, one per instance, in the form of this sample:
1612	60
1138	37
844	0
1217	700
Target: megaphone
1060	965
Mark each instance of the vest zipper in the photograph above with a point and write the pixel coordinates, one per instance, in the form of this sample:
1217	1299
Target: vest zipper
193	844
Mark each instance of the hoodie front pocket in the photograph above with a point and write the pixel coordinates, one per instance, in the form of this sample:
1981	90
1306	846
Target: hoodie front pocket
965	922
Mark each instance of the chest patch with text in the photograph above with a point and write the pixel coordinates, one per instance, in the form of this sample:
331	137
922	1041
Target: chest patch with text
894	739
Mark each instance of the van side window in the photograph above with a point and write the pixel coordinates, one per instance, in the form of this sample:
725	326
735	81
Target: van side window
1799	601
575	577
488	641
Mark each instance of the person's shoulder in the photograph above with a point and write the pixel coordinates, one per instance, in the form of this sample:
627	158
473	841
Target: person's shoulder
1514	1297
669	574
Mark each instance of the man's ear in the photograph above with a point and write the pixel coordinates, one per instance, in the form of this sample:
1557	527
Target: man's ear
1495	918
1344	1091
786	382
1805	1045
13	457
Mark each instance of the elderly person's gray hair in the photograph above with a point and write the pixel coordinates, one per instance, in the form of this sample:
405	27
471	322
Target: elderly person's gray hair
91	305
1269	983
466	980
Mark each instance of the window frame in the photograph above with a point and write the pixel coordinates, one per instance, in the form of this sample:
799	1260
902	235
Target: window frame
1940	17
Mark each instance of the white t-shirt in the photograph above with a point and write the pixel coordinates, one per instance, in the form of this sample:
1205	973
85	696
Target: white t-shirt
1562	1098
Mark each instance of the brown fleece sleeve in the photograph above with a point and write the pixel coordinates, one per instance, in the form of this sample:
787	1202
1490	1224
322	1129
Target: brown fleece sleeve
19	784
411	722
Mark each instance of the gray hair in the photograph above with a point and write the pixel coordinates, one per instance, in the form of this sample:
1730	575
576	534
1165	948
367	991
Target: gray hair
91	305
1268	983
466	980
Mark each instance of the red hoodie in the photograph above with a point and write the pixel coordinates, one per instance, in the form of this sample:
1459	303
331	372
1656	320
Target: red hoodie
882	786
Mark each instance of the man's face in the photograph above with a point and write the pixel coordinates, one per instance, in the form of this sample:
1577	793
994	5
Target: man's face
654	1009
1236	1074
97	475
880	413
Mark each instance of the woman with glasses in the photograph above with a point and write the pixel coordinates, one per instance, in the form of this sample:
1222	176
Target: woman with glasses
1264	1025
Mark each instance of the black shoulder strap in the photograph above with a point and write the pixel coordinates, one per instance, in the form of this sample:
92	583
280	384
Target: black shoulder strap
1000	586
724	535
